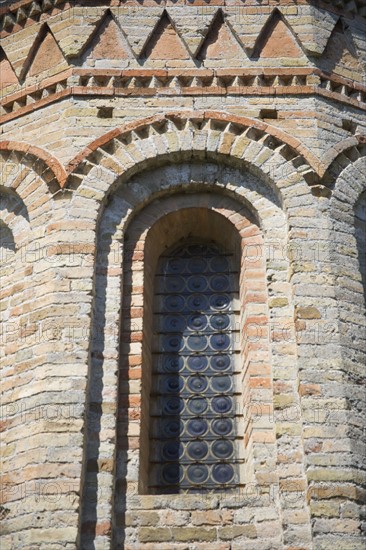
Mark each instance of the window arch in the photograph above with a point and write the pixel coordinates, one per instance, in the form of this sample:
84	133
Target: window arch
193	435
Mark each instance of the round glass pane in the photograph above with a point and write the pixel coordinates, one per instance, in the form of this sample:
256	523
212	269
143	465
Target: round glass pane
220	283
219	264
222	448
172	343
173	303
197	342
222	404
172	428
197	405
222	426
197	384
171	450
197	427
197	363
221	384
220	301
172	384
222	473
173	283
220	342
220	322
197	450
173	363
197	473
173	405
174	323
197	322
220	362
175	265
197	302
172	474
197	283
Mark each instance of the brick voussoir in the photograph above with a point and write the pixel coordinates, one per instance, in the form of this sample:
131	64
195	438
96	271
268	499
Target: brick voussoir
196	116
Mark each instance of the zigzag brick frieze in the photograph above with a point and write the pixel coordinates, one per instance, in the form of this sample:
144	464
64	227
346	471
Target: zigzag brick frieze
16	15
212	46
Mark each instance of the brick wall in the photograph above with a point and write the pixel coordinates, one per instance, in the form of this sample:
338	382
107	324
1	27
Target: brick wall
119	121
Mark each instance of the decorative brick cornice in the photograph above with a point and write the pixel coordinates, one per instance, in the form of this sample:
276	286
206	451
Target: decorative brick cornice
198	82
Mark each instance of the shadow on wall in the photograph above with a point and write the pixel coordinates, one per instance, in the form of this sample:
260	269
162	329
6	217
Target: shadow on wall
12	203
94	462
14	222
6	238
360	227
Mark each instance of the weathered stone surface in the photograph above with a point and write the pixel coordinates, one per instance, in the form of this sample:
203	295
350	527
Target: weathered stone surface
126	127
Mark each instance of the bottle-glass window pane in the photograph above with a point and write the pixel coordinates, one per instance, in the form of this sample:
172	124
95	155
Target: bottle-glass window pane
193	428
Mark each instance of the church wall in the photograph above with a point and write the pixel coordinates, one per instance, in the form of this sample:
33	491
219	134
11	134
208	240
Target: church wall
273	142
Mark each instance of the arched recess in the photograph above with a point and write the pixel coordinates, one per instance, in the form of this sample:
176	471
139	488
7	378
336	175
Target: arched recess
347	215
346	211
207	215
339	157
48	168
28	182
147	192
14	237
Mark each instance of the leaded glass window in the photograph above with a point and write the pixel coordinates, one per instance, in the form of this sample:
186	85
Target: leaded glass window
193	426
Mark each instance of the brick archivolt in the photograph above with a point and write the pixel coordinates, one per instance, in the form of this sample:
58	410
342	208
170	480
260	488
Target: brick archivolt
117	152
39	161
349	188
120	152
346	253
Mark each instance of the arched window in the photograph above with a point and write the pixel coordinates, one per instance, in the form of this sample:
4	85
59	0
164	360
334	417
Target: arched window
193	433
191	377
